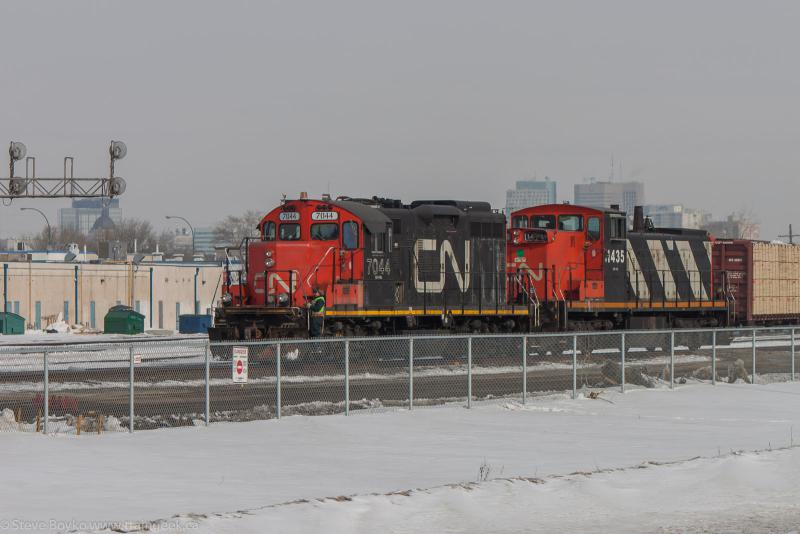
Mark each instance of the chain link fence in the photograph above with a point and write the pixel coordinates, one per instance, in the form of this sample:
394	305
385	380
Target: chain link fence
120	386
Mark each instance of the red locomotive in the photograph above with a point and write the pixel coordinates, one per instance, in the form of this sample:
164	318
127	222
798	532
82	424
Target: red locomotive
384	267
586	271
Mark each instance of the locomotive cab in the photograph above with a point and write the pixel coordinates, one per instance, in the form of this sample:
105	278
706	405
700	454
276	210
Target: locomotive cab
558	250
303	244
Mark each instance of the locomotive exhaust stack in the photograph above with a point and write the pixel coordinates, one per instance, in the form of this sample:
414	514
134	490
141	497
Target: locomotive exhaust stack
638	219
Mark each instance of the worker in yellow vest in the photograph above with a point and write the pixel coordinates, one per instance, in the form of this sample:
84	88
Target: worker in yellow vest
316	311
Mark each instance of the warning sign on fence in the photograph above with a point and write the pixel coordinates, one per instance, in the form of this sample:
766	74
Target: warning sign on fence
239	367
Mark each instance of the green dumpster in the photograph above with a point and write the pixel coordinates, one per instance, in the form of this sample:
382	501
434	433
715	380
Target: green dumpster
123	320
11	323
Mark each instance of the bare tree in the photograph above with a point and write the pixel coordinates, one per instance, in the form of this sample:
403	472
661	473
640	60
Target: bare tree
747	223
233	228
741	224
133	231
166	242
60	238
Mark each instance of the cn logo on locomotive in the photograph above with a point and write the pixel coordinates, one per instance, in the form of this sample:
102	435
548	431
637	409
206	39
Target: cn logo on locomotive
445	251
275	283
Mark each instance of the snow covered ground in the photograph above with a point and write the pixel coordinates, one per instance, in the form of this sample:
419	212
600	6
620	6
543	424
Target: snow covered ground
499	467
750	492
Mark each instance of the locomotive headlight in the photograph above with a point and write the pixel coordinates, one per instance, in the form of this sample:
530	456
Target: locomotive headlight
269	263
227	298
268	254
283	299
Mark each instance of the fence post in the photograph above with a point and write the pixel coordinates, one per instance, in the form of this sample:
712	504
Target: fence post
46	407
574	366
469	372
713	357
130	390
208	382
410	373
347	377
672	360
278	381
622	366
792	354
524	368
753	379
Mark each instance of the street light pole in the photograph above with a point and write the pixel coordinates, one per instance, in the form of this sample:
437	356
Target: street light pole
191	228
49	230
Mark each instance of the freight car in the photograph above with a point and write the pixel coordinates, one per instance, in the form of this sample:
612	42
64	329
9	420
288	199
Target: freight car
585	271
762	281
384	267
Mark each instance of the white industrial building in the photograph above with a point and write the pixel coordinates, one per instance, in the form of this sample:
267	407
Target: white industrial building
84	292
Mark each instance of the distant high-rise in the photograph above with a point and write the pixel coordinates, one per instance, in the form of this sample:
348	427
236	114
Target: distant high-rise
604	194
85	212
204	240
530	193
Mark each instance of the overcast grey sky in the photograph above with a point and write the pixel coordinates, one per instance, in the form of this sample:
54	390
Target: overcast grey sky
225	106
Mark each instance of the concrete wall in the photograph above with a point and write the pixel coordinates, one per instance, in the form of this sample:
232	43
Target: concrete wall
43	290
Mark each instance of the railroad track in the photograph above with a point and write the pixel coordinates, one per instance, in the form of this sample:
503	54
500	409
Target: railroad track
177	393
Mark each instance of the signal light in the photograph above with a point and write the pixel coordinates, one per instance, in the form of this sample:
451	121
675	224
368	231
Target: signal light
17	151
118	150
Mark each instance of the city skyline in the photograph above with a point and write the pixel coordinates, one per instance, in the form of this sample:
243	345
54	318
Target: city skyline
34	224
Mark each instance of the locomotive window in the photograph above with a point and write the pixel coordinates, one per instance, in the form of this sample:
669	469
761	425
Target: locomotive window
379	242
547	222
520	221
269	231
290	232
324	231
570	223
350	235
593	228
617	227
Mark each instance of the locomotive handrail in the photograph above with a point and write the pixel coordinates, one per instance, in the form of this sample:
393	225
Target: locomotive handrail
315	269
534	301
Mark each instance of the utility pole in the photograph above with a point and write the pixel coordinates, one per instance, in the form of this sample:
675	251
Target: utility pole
790	235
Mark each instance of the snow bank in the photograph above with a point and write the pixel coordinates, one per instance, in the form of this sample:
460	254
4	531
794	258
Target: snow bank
227	467
732	493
